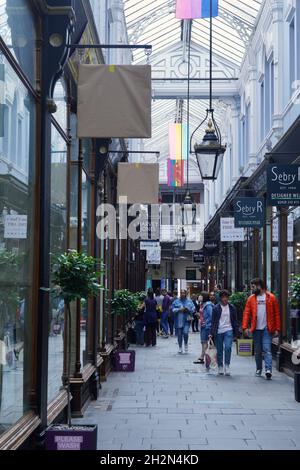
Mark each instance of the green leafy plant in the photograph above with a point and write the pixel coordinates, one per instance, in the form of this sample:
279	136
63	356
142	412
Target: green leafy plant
75	276
239	299
124	302
295	291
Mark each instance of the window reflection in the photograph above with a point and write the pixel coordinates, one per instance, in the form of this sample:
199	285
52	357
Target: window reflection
58	244
17	150
17	30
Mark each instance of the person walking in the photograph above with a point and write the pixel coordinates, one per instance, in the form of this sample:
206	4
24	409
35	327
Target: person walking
165	313
262	313
150	318
139	321
171	315
205	325
184	310
159	300
224	327
195	322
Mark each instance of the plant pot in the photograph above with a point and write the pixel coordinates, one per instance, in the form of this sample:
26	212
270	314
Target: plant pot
76	437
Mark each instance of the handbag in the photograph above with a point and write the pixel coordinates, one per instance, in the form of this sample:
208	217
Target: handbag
210	357
190	317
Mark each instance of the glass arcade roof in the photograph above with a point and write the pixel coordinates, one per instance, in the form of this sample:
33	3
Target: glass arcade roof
153	22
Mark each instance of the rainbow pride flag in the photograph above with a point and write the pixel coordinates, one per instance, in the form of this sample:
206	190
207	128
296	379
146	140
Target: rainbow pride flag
178	141
175	173
193	9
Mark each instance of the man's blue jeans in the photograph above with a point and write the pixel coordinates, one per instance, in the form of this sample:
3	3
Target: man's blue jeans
183	333
224	341
263	344
164	322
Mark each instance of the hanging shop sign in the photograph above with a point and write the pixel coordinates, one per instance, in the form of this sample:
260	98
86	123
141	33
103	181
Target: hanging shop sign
283	185
229	233
249	212
198	257
138	182
114	101
147	244
210	247
154	255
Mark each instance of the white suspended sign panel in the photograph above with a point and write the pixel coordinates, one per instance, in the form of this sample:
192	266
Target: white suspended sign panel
114	101
228	231
138	182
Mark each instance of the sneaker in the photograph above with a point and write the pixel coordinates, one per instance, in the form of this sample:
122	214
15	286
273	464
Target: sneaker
199	361
180	351
258	373
268	374
227	370
220	371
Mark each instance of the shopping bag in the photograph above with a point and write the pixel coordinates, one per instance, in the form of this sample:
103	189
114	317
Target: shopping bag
245	347
210	357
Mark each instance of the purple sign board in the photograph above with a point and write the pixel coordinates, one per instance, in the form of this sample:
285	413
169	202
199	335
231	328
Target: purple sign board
124	361
60	437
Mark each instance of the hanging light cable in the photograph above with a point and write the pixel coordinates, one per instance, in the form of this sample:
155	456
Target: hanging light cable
210	151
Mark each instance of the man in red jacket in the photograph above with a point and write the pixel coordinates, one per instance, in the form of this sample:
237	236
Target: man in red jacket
262	312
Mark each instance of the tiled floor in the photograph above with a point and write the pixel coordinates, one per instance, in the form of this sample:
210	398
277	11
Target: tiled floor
170	403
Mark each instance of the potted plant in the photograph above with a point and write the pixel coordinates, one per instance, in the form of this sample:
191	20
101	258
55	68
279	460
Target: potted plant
239	299
75	276
295	296
124	303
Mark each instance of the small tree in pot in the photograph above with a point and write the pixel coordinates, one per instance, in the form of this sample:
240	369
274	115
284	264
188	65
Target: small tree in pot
239	299
75	276
124	304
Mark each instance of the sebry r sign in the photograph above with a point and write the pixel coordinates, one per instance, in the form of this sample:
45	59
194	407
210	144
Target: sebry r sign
283	185
249	212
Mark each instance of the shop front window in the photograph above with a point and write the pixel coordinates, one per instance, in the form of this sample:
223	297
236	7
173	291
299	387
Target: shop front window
58	245
17	29
17	207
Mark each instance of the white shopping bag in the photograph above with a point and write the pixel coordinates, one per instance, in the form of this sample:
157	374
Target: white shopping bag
210	357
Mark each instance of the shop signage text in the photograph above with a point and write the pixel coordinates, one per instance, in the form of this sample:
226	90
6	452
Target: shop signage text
228	231
210	247
198	257
283	185
249	212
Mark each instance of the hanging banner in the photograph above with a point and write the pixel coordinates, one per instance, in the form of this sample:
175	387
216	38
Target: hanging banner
192	9
283	185
138	182
175	173
249	212
210	247
178	141
114	101
228	231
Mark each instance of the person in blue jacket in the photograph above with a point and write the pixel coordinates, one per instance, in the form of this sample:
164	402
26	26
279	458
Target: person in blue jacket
183	309
205	323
